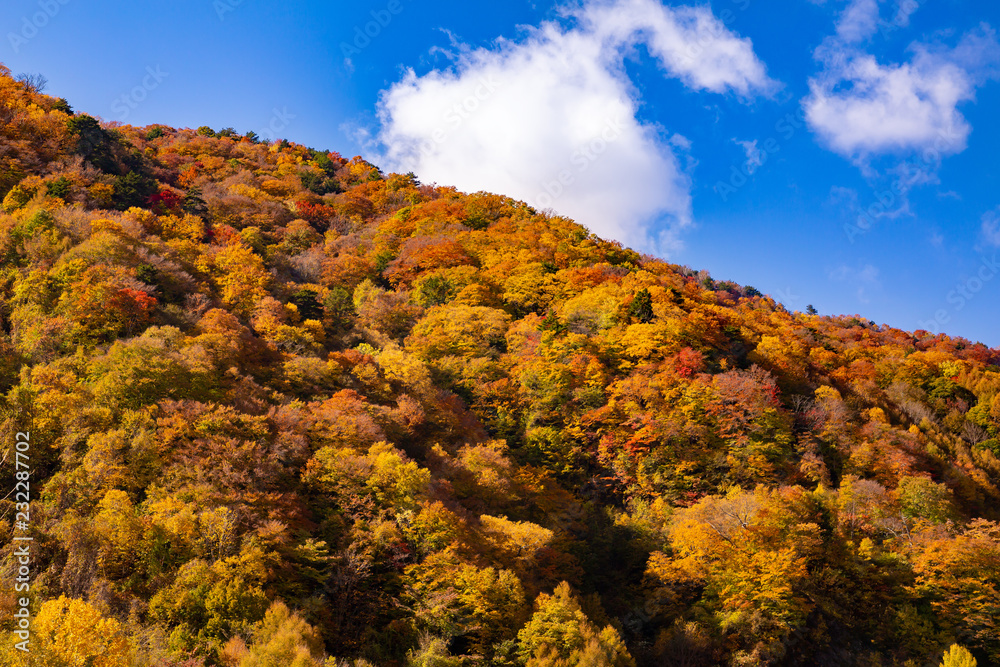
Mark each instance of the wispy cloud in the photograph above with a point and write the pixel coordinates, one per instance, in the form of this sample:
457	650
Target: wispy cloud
861	107
863	278
755	157
859	21
552	118
991	227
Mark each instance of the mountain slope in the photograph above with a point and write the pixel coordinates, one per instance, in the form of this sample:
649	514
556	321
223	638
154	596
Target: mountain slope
283	406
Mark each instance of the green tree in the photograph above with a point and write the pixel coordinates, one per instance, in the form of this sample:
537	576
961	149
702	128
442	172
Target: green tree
59	187
339	305
436	290
133	189
92	142
642	306
922	498
142	371
559	633
307	302
193	203
433	652
62	105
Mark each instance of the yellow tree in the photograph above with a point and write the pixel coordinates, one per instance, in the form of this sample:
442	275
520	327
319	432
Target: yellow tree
283	639
240	276
72	633
451	598
958	656
559	634
120	531
746	554
960	576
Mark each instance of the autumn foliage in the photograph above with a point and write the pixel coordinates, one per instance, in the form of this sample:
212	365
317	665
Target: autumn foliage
286	409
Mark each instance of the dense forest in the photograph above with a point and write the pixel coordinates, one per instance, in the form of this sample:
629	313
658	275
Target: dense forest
288	410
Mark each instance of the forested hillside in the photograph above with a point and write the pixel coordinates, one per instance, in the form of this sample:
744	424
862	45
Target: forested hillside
286	409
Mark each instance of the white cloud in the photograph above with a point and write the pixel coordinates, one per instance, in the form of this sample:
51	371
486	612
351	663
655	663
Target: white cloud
691	43
904	10
865	107
864	278
861	107
991	227
862	274
551	119
846	198
755	156
859	21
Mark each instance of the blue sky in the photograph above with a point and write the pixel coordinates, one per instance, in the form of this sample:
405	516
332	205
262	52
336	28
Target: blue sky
839	153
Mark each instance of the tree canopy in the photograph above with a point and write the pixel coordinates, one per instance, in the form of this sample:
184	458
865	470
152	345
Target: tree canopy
287	409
